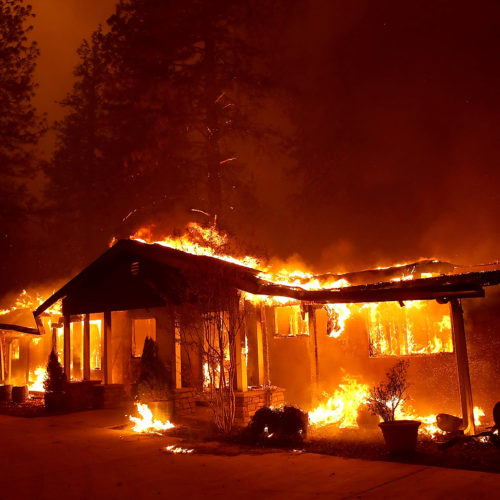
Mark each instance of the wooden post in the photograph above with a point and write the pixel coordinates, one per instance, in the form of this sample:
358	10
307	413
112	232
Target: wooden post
260	354
237	325
313	335
8	375
2	362
86	347
460	345
67	347
54	339
265	345
178	356
106	358
27	343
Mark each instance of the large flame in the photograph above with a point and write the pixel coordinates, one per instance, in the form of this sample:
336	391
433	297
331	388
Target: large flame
145	424
38	378
198	240
341	409
30	301
386	337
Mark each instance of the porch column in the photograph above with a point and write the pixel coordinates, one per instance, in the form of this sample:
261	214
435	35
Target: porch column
314	357
460	345
237	325
106	359
86	347
54	338
67	347
28	345
8	375
2	362
265	346
260	353
177	373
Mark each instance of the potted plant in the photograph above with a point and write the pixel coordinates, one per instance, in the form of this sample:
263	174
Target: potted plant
54	384
384	399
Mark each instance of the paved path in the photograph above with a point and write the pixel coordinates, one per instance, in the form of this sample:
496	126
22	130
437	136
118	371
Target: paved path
81	456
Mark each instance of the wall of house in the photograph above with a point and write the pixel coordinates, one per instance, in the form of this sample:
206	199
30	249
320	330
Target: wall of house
124	366
433	377
482	327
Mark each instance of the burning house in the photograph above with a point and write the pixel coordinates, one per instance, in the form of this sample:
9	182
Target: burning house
318	342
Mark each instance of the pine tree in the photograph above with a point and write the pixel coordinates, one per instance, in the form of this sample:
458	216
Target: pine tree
162	102
81	178
56	378
20	125
203	63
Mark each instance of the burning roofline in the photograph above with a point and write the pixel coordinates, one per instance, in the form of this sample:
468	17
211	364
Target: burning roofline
441	288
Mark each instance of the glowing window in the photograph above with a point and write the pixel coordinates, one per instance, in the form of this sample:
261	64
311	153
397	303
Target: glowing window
95	344
290	321
420	327
142	328
15	352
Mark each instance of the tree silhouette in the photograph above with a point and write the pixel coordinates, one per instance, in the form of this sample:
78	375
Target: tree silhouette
161	104
20	125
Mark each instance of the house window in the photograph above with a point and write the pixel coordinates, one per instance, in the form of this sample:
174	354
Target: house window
95	344
418	328
290	321
15	352
142	328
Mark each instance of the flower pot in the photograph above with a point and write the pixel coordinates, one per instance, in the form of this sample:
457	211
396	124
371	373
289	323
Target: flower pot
5	392
401	435
19	393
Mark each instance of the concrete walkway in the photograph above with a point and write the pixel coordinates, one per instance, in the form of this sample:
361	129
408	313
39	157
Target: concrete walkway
81	456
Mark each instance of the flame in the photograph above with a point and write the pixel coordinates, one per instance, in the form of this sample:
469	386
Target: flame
388	336
478	413
177	450
39	376
31	301
145	423
338	314
341	408
198	240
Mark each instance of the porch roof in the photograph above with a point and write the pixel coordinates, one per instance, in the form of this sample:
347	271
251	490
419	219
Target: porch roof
132	274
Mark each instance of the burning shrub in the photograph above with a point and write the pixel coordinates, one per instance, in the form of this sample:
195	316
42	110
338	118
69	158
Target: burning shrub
54	384
385	398
279	426
153	381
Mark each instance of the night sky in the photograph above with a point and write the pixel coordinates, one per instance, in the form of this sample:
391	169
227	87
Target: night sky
397	104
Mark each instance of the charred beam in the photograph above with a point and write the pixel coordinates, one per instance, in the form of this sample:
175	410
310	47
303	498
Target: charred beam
19	328
460	346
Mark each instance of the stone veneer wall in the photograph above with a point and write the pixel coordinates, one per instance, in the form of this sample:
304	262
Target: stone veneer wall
248	402
184	401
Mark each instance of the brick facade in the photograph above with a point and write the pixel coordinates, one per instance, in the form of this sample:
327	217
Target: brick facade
248	402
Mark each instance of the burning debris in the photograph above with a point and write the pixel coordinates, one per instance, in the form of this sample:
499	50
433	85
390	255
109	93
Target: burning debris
146	424
176	450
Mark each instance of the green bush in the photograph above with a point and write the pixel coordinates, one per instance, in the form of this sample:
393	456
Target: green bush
277	426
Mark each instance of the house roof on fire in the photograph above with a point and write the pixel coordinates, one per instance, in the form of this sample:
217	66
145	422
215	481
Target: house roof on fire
133	275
